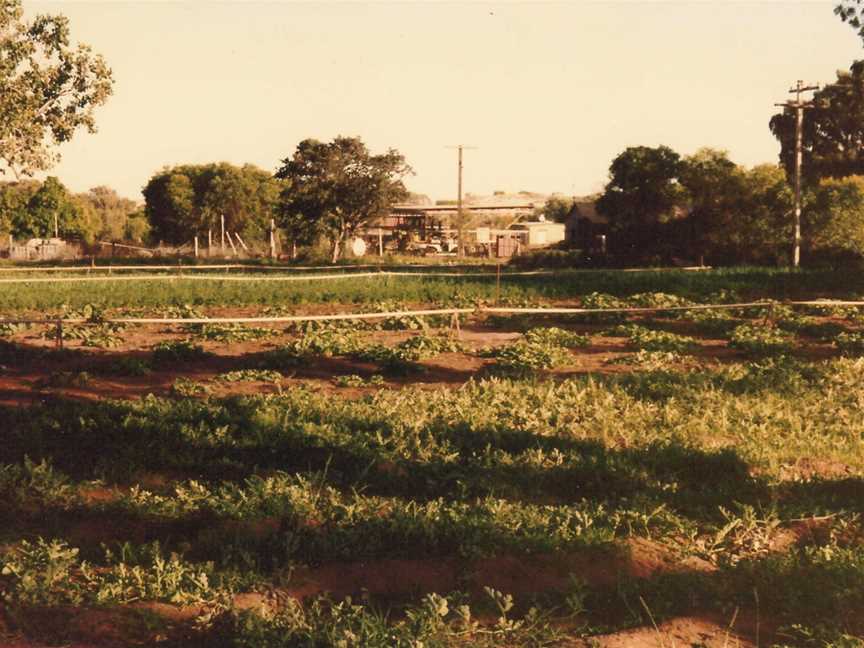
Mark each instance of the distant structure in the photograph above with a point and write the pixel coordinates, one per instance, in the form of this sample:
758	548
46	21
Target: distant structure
37	249
585	228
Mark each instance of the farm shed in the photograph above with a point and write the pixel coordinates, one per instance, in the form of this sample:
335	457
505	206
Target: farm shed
540	233
38	249
585	226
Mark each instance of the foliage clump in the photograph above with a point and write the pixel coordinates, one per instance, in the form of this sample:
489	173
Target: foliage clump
850	343
177	351
760	340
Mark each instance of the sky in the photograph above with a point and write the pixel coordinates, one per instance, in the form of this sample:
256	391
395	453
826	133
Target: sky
547	93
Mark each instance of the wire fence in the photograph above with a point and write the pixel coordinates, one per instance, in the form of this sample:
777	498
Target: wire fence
59	322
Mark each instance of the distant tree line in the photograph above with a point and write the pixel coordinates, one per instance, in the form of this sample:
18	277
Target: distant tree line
661	205
33	209
325	192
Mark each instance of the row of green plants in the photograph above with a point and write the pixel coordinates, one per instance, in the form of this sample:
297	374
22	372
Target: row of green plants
696	459
704	286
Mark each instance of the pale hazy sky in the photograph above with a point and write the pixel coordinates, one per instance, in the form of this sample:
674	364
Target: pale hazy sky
548	92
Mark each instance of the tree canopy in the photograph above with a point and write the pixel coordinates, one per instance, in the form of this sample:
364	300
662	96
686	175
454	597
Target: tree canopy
48	89
642	193
834	221
335	188
557	208
852	12
113	215
29	209
700	206
833	130
186	200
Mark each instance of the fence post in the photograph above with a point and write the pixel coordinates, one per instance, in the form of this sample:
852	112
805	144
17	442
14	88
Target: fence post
60	332
272	238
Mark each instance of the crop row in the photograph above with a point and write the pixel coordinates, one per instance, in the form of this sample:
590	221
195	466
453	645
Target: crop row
703	286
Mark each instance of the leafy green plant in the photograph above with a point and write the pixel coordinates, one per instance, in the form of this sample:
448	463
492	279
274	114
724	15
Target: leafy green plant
651	360
658	300
227	332
711	322
251	375
760	340
51	573
556	336
65	379
524	357
177	351
353	380
596	300
31	482
646	339
184	387
41	572
850	343
407	353
126	366
9	329
94	332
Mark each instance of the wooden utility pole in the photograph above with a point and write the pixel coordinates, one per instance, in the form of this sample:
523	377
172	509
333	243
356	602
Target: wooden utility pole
799	106
460	225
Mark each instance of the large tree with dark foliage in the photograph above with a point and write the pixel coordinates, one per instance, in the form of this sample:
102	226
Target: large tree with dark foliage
335	188
190	199
833	130
642	194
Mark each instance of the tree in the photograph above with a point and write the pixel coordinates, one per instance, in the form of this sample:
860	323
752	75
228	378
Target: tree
111	212
852	12
642	194
714	186
51	207
47	88
761	228
186	200
339	186
557	208
833	130
834	222
14	197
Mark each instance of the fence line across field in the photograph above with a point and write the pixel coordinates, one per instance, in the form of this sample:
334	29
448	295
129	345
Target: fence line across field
177	267
288	268
309	277
418	313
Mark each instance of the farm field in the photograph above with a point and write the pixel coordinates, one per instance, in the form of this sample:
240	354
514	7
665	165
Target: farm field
643	478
